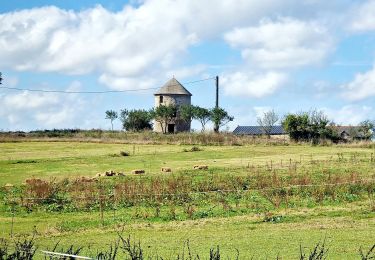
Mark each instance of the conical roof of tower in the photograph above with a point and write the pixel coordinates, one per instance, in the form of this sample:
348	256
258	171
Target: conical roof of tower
173	87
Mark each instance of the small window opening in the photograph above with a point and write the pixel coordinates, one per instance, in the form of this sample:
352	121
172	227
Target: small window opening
161	99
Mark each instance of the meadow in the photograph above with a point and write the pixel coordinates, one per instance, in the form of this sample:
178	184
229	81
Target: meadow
261	199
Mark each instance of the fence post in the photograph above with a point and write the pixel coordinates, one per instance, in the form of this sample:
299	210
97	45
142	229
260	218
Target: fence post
101	202
13	204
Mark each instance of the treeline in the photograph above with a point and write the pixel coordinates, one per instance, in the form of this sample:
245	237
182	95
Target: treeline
314	126
136	120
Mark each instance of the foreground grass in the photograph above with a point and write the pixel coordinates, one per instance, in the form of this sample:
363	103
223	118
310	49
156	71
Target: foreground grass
346	222
345	228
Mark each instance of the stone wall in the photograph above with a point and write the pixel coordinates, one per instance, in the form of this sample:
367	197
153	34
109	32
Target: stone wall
177	100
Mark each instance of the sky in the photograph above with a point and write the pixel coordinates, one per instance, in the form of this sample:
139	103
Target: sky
286	55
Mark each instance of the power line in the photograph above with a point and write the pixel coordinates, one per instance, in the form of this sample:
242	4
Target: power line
98	92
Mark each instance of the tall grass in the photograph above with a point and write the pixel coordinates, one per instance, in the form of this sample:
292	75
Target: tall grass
147	137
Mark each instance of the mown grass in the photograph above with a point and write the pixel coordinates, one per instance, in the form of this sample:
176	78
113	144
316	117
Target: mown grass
19	161
344	228
257	223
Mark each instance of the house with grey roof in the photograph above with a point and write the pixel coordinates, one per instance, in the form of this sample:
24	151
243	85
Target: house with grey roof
258	130
173	93
348	133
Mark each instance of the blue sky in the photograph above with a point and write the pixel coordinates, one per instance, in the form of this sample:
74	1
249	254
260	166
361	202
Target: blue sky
284	55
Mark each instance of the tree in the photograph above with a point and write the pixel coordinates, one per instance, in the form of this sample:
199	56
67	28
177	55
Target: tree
203	115
187	113
111	115
297	125
164	115
268	121
366	129
220	117
309	126
136	119
318	126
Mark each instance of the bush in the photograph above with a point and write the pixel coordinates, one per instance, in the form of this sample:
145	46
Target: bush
193	149
124	153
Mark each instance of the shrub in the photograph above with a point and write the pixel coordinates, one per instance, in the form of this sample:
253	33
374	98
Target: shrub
193	149
124	153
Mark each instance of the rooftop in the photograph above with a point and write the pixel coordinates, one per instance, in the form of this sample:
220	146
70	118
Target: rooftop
257	130
173	87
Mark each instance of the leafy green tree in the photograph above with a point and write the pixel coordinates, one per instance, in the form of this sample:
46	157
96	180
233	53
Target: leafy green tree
136	120
268	120
203	115
164	115
366	129
318	126
187	113
111	115
309	126
220	117
297	125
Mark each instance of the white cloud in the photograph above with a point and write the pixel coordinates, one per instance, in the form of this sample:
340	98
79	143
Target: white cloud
252	84
185	72
43	110
363	17
350	114
127	83
259	111
28	100
363	86
150	39
282	44
123	44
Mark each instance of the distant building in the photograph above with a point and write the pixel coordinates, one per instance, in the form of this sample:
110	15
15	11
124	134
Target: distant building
348	133
173	93
258	130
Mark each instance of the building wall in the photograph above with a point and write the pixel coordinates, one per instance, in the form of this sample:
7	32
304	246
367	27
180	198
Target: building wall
176	100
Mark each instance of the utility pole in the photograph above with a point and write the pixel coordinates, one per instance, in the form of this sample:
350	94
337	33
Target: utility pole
216	127
217	91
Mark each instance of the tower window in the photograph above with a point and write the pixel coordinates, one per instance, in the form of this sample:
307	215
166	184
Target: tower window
161	99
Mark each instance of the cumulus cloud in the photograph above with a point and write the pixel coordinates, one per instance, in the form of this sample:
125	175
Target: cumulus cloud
350	114
125	44
252	84
363	86
363	17
149	39
44	110
283	43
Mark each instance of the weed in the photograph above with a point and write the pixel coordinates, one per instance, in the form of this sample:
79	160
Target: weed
24	249
318	252
133	250
370	254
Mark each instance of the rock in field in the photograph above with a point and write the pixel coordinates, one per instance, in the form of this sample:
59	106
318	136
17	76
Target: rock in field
200	167
138	171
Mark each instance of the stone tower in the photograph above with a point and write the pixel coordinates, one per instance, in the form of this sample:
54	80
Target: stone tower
173	93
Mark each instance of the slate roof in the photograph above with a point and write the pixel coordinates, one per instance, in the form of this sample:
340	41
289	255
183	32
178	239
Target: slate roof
173	87
257	130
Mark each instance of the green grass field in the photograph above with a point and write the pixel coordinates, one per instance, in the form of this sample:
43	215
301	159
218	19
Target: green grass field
346	219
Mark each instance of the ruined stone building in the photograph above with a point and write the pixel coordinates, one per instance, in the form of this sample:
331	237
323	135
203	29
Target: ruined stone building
173	93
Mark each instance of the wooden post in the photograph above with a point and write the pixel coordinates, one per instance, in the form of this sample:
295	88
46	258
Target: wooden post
216	127
13	204
217	92
101	202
